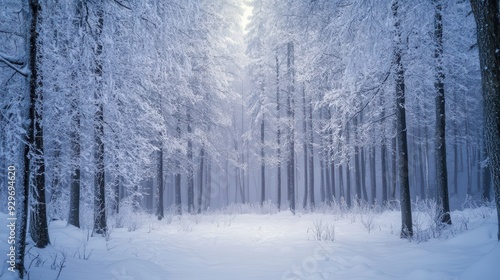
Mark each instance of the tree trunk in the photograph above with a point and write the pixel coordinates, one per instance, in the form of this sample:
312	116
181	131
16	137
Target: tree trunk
311	158
394	171
262	164
278	133
116	188
469	161
74	202
362	165
479	170
190	176
421	171
322	176
441	167
227	182
177	177
363	173
486	178
426	162
291	127
38	212
327	159
357	172
200	181
208	184
455	161
332	177
486	13
56	193
159	205
24	194
99	187
357	169
341	181
304	146
332	162
373	176
348	172
383	157
30	17
385	173
406	217
241	160
328	186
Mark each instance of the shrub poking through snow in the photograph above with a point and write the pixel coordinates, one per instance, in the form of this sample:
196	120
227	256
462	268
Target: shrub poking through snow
322	231
367	220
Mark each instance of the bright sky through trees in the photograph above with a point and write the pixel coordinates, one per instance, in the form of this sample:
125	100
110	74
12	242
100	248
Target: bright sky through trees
246	15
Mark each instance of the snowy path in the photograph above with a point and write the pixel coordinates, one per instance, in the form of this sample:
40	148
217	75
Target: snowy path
276	246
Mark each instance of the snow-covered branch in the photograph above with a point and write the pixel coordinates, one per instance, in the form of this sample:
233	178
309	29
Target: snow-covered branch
13	63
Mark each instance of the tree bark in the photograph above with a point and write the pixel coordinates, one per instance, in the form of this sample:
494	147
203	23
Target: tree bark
331	162
178	201
348	172
421	173
159	205
441	166
383	161
200	181
357	169
486	178
291	127
304	146
341	181
38	213
278	133
190	175
322	176
373	176
406	217
326	158
394	171
486	13
56	193
262	164
328	186
100	226
455	160
208	183
74	203
24	194
311	158
363	173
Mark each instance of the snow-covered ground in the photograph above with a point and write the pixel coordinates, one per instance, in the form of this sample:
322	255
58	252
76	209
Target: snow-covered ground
366	245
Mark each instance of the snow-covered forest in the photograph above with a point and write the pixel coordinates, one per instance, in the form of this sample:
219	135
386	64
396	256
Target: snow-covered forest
143	130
